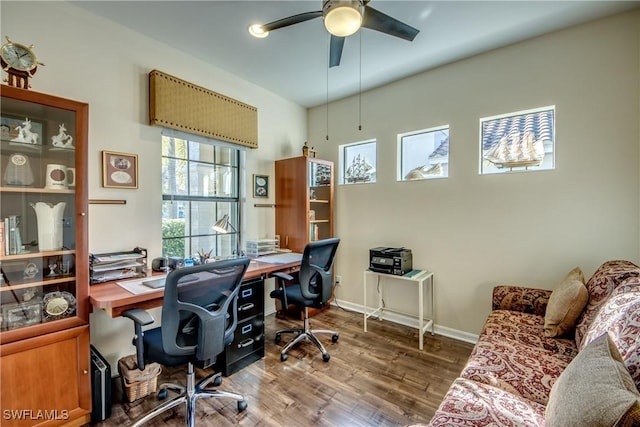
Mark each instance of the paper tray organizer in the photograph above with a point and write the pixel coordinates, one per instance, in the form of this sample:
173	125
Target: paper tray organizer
117	265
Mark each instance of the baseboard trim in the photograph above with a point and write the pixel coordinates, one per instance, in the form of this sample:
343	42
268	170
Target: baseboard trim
410	321
405	320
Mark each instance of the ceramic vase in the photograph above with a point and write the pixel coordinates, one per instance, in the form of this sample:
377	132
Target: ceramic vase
50	218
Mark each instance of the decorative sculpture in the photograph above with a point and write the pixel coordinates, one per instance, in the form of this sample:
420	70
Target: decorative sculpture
24	133
62	139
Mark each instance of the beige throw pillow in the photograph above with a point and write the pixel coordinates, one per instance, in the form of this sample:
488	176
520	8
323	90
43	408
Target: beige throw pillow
565	304
594	390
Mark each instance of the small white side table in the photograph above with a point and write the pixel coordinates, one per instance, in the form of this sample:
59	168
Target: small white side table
420	278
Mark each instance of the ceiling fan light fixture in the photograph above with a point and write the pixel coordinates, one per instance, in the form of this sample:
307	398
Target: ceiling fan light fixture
342	20
257	30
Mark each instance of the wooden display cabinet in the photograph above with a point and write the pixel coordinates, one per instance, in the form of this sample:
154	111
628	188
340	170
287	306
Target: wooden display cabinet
304	203
44	305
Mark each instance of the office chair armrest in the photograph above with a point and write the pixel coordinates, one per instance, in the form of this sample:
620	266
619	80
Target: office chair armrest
318	271
140	318
282	276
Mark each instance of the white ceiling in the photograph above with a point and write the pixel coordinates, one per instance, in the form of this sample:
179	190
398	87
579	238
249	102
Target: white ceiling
293	61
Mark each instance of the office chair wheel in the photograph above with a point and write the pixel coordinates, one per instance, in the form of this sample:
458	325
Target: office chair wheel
278	339
242	405
335	338
283	357
326	357
217	382
162	394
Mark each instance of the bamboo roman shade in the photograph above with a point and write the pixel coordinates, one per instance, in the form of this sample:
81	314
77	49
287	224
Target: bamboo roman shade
177	104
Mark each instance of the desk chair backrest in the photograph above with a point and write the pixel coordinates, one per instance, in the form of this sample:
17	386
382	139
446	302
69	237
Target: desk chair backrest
316	269
199	308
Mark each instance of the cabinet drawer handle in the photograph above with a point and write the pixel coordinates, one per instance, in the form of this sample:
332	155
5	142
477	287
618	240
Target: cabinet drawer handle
247	306
245	343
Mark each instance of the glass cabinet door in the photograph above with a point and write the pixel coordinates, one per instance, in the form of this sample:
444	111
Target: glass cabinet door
39	212
320	190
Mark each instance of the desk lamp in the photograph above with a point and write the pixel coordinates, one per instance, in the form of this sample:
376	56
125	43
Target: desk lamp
224	226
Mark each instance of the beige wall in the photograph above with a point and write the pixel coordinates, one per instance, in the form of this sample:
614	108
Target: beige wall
95	61
472	231
477	231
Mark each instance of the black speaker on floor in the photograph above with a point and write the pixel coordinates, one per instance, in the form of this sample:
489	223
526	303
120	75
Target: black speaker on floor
100	387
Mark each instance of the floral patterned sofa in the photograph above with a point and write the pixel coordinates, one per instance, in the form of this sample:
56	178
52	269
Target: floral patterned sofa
510	373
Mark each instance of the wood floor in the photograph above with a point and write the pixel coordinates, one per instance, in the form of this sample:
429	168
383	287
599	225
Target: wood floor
378	378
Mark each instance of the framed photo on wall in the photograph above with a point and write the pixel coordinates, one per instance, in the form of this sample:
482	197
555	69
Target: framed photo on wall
119	170
260	185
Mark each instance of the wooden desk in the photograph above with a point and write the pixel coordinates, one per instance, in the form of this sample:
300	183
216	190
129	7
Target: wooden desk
114	299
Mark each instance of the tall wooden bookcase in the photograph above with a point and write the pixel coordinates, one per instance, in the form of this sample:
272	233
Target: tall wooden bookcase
304	201
44	304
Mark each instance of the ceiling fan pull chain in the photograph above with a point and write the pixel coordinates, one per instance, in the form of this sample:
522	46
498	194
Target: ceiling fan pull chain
327	100
360	87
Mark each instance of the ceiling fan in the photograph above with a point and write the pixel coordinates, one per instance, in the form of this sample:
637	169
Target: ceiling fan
343	18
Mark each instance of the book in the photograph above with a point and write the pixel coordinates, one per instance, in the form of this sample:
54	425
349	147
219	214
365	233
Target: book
6	236
12	235
313	232
415	273
2	239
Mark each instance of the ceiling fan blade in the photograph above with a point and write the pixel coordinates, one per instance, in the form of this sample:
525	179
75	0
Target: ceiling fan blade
335	50
376	20
295	19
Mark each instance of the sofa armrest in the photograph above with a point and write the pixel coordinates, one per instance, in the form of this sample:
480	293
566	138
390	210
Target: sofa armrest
519	298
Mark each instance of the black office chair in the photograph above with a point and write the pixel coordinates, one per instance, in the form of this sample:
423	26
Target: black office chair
313	290
198	322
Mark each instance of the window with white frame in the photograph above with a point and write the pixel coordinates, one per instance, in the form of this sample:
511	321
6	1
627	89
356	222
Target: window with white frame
200	184
357	162
423	154
520	141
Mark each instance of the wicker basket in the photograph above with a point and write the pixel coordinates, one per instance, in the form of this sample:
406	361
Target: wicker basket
137	383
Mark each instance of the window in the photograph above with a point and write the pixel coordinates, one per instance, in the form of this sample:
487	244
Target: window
200	184
519	141
358	162
423	154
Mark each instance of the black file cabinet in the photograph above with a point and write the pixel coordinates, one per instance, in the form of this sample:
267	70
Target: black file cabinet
248	342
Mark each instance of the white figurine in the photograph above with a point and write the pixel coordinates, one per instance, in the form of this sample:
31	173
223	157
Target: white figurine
25	134
62	140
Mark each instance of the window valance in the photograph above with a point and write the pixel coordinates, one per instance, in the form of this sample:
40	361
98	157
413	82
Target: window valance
177	104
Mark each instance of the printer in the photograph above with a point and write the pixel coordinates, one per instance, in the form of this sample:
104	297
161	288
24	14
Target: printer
396	261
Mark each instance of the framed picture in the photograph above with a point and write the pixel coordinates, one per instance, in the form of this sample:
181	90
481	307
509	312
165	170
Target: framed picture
119	170
260	185
21	130
22	314
521	141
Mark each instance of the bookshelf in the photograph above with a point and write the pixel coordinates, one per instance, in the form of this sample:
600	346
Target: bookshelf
304	201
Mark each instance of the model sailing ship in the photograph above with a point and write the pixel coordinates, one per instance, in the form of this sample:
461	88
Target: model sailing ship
519	152
359	170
